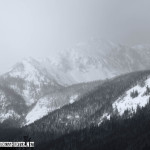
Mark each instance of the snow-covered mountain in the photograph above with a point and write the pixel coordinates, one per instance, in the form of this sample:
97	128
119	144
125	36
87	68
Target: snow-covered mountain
129	101
22	87
29	79
122	94
59	98
138	95
37	90
95	60
38	82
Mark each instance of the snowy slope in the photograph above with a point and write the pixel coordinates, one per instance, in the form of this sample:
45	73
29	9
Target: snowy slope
26	83
98	104
84	63
42	108
29	78
46	105
96	59
128	102
37	80
59	98
87	61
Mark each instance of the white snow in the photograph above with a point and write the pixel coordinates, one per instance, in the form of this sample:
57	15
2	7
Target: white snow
69	117
31	71
41	109
127	102
77	116
73	98
7	115
27	72
44	106
104	116
84	63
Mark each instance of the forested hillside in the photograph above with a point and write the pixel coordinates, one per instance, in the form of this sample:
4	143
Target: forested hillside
85	112
82	123
119	133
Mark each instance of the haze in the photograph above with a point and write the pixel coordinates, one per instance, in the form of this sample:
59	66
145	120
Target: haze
40	28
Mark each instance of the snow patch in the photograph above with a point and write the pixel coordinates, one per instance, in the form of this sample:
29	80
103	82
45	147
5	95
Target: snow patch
41	109
127	102
77	116
105	116
73	99
9	114
69	117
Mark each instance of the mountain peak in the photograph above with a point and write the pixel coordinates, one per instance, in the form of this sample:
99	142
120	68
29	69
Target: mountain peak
26	70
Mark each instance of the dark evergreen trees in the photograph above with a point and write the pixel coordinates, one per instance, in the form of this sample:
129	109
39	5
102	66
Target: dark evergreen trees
134	94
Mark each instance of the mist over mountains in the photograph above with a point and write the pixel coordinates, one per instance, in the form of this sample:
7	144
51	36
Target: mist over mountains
117	104
43	85
77	92
75	75
97	59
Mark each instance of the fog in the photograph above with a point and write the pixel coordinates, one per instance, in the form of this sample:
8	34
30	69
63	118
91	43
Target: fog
40	28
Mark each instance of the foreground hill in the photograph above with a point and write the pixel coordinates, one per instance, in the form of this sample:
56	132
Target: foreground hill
119	133
59	98
91	109
28	92
39	83
102	114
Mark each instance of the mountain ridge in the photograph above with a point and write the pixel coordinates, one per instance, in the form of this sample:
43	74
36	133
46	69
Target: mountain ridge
35	80
90	109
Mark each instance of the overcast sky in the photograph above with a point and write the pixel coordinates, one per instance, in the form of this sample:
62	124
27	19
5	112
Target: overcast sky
39	28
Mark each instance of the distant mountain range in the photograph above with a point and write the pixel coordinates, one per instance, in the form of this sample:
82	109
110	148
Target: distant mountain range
89	111
103	112
115	96
114	115
96	60
29	87
33	88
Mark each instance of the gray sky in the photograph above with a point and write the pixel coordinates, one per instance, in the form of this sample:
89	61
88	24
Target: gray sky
39	28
